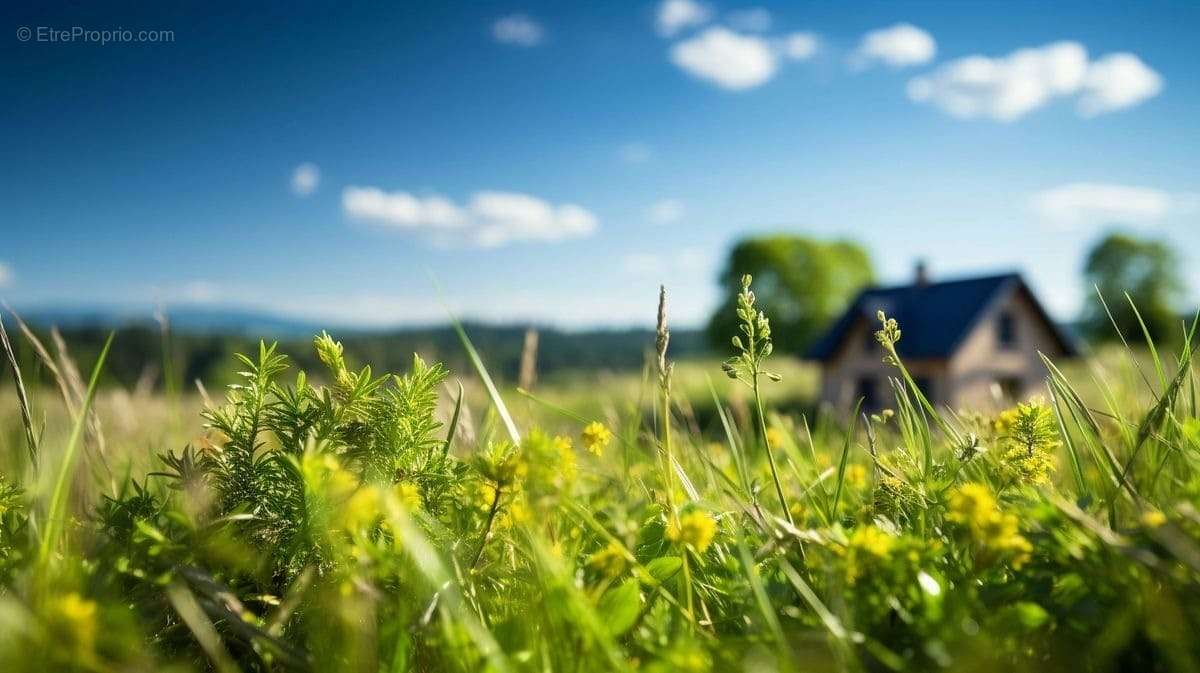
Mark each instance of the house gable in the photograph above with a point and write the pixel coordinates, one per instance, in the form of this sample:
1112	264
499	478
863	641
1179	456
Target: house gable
1001	353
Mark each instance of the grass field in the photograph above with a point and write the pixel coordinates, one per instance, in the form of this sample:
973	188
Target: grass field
699	517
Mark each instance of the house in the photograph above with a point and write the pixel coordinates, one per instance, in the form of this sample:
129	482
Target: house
968	343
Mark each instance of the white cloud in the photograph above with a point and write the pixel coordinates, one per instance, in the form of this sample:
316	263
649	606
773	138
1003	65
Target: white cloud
305	179
752	20
1115	82
1083	204
676	15
1007	88
488	219
519	30
800	46
666	211
728	59
898	46
635	153
6	275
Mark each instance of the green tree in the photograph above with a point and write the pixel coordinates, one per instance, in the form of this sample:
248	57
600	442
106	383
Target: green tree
1146	270
802	283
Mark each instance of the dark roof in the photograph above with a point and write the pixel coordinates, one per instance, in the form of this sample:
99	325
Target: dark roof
934	318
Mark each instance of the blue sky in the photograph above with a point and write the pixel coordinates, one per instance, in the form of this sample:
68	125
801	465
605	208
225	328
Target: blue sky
554	162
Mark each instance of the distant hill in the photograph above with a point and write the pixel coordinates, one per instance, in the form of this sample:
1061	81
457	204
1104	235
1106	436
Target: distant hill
191	319
203	341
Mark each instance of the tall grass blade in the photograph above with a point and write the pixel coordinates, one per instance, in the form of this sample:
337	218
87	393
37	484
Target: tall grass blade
451	598
1089	429
762	600
1158	365
1120	335
1068	441
841	472
739	460
493	393
453	429
1162	409
202	628
58	499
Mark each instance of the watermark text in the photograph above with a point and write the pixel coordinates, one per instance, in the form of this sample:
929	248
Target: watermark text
84	35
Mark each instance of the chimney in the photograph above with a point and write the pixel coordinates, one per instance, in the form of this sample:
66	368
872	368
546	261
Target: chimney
921	274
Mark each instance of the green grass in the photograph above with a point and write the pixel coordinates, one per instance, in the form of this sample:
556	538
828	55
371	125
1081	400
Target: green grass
333	522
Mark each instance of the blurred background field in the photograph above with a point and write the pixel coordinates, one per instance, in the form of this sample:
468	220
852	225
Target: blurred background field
142	415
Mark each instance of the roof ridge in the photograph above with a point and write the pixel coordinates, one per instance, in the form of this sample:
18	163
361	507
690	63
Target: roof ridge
942	283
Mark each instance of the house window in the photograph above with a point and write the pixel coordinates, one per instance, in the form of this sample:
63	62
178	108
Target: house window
925	385
1010	388
1006	330
865	390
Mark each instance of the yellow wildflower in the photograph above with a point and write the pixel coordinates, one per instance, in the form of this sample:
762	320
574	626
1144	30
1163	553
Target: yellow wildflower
548	463
775	438
695	529
1029	435
856	475
567	467
868	546
595	437
519	511
871	540
409	494
1000	535
994	533
501	463
487	493
796	508
74	623
610	561
972	504
1153	518
893	496
688	660
362	509
1031	466
334	480
336	496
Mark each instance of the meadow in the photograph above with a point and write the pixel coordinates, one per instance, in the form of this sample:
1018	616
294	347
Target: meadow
695	516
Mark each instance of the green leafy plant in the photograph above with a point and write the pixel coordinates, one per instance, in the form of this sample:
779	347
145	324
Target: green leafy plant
747	367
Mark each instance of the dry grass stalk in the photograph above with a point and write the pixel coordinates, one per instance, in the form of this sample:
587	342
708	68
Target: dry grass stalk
22	398
75	382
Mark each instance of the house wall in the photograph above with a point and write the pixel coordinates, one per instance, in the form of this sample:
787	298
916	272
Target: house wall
982	366
844	374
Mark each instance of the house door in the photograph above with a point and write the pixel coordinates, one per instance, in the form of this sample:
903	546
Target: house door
867	389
